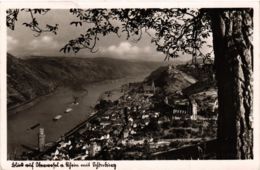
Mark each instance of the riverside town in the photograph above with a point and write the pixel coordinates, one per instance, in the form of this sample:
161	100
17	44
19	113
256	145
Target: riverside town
103	84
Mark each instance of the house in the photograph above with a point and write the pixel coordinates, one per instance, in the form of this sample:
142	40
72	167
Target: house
116	132
181	107
87	126
149	90
105	123
185	107
163	119
193	109
125	133
166	100
214	106
94	149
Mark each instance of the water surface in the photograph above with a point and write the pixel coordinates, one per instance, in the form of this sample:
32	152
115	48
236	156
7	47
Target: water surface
18	125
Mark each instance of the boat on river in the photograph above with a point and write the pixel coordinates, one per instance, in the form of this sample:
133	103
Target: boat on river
68	110
35	126
77	103
57	117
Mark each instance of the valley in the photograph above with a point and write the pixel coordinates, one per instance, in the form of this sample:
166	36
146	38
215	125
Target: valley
139	111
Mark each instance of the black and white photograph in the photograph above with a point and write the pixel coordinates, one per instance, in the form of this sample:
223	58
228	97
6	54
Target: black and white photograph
143	84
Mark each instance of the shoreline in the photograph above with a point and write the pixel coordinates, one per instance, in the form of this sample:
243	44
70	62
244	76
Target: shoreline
30	103
27	105
101	87
76	128
70	133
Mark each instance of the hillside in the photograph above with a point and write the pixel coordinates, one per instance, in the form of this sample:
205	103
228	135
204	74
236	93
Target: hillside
30	78
170	79
185	82
201	71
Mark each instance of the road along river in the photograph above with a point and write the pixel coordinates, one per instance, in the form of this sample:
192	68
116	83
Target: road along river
18	125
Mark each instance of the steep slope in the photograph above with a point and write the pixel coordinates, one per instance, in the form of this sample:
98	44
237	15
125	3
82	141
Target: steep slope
201	71
30	78
22	82
170	79
202	89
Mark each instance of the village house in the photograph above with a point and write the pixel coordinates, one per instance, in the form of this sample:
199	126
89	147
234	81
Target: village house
125	133
94	149
183	107
149	90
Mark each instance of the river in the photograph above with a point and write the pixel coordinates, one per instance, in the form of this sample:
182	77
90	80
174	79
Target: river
43	112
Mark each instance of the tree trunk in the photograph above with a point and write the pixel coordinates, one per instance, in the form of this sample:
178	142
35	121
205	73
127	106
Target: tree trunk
234	68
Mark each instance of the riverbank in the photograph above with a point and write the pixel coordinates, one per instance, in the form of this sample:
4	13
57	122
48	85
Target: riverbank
28	104
144	123
132	127
50	106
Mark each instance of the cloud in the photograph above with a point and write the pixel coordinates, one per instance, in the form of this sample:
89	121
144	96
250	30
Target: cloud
125	48
11	42
43	42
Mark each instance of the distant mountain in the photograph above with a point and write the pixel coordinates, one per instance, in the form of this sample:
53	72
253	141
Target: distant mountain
29	78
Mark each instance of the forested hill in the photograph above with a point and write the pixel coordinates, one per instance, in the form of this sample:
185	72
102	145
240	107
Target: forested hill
183	77
30	78
170	79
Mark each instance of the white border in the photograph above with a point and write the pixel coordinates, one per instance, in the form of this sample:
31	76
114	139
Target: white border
202	165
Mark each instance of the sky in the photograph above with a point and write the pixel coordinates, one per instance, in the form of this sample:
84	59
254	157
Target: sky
22	43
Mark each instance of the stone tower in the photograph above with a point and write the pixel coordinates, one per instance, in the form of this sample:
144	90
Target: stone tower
41	140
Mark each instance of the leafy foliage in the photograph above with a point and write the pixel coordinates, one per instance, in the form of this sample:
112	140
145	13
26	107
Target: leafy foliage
173	31
12	15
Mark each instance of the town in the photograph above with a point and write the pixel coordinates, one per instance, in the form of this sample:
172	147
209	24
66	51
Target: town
143	123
